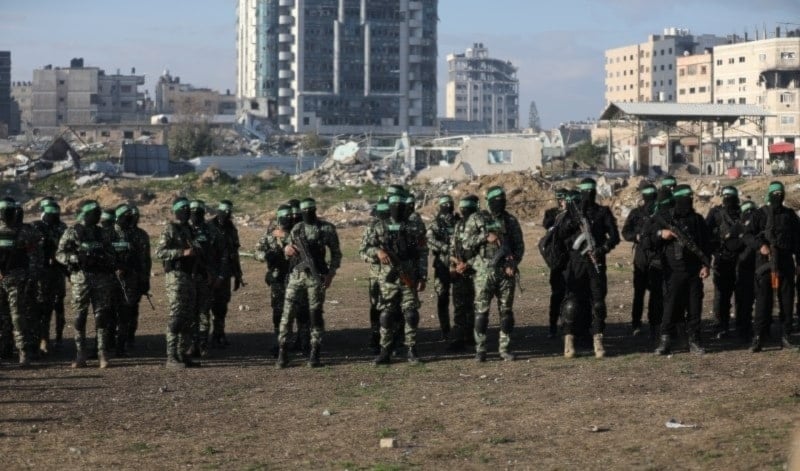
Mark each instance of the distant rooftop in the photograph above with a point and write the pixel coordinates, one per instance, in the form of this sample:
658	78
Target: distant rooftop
660	111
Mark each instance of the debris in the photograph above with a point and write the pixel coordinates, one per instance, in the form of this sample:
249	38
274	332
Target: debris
599	429
672	423
388	443
326	413
74	450
163	389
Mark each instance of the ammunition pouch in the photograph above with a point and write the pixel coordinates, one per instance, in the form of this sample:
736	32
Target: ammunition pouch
183	264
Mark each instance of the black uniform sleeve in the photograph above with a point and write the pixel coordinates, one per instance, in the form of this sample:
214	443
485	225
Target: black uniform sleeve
631	227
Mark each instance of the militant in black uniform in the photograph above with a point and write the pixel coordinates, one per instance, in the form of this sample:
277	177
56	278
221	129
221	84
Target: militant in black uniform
557	284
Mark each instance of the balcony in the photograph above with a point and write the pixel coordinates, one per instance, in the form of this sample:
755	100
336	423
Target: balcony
286	3
285	38
286	74
286	20
285	56
285	92
285	110
415	58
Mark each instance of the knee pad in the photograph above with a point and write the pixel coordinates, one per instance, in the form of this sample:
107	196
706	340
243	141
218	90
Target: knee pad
481	323
599	307
175	325
316	318
80	324
569	309
412	317
386	320
507	322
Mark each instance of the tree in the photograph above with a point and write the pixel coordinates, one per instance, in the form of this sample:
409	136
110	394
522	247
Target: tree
191	134
533	118
588	153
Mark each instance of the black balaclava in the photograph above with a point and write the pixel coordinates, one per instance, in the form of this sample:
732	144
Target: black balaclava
197	212
8	211
683	200
91	213
382	209
134	215
284	217
775	194
51	214
20	213
397	208
496	200
297	216
411	205
669	182
468	206
446	205
308	208
180	207
649	195
730	198
561	196
588	189
224	210
123	216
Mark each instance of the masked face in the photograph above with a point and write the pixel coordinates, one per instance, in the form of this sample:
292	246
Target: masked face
683	205
446	209
383	215
397	211
92	217
135	219
467	212
125	221
497	205
9	216
224	217
776	199
587	198
309	215
197	216
182	215
51	218
730	201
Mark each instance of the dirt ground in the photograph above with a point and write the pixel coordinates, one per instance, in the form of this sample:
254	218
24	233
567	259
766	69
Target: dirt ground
239	412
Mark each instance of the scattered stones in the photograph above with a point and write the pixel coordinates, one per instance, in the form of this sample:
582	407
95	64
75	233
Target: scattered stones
326	413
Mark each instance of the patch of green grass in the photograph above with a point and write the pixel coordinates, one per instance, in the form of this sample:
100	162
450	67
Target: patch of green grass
465	451
500	440
211	451
59	185
387	432
389	467
707	456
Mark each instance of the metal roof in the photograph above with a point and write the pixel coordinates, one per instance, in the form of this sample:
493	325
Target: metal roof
660	111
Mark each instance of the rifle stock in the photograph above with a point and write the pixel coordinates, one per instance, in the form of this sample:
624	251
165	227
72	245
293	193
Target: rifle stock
397	264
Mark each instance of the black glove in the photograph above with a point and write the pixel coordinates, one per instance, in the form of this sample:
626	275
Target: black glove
600	251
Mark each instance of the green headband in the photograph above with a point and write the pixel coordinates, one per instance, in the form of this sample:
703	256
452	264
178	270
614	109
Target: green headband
89	207
587	186
121	210
682	192
180	205
51	209
730	191
307	205
748	205
6	205
106	216
382	207
445	200
410	200
668	181
470	203
495	193
224	207
775	187
284	212
649	191
197	205
395	199
46	202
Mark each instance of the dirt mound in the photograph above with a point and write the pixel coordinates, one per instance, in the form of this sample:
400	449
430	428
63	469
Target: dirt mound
214	176
270	174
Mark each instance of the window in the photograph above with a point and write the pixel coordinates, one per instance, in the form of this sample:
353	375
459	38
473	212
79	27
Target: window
662	52
731	101
669	66
762	57
127	134
741	59
701	90
691	70
787	97
692	90
670	50
669	97
682	91
662	66
61	99
499	157
742	80
787	119
731	81
719	102
788	55
703	70
125	88
624	73
731	60
719	61
719	83
681	72
669	82
61	82
105	134
742	101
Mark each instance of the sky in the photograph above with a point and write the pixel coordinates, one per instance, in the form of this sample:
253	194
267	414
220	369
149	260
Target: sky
557	46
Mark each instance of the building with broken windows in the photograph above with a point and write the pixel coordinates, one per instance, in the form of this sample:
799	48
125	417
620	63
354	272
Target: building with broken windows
84	95
5	91
484	89
339	66
174	97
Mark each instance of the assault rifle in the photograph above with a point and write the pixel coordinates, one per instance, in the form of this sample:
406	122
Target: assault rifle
585	243
306	261
396	263
769	231
124	288
683	239
505	255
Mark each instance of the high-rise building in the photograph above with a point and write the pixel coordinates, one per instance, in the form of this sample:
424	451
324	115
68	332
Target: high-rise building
84	95
339	66
647	71
5	89
21	98
481	88
695	78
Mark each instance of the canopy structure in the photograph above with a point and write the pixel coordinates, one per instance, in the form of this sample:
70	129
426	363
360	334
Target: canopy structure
669	115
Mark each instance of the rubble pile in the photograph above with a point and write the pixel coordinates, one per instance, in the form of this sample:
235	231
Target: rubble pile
357	173
214	176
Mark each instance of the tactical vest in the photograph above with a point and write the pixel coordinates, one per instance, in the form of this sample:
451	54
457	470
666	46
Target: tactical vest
91	246
12	254
315	246
397	240
185	236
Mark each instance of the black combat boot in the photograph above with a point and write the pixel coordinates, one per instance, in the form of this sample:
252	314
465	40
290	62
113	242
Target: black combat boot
313	357
694	346
283	357
383	358
664	347
786	342
173	362
413	358
756	347
480	357
374	342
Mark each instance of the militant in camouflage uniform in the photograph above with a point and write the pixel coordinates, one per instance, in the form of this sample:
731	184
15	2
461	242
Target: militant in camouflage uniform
176	250
18	244
303	338
232	269
210	264
463	285
141	241
129	260
439	235
494	241
403	273
86	250
51	286
311	275
381	213
270	250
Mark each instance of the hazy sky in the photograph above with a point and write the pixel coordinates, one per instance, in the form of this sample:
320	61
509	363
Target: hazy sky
557	45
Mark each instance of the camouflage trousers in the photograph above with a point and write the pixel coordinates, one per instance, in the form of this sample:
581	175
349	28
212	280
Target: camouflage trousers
51	288
13	311
220	298
124	305
442	285
300	285
277	296
463	292
374	291
181	296
91	290
397	303
493	283
201	318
